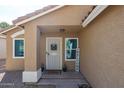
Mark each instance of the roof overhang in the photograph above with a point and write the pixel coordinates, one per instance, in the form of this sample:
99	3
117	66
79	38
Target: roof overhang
32	18
39	15
95	12
8	29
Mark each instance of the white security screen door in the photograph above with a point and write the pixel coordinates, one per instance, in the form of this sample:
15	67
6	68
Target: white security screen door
53	53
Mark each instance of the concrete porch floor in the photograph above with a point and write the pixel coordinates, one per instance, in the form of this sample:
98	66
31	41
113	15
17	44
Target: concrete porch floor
68	79
13	79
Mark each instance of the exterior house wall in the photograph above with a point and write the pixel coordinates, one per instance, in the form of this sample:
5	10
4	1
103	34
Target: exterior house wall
39	57
73	15
32	60
31	43
68	15
11	63
63	35
102	49
2	48
101	44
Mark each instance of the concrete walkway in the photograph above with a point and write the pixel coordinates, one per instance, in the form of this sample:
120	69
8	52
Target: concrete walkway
13	79
63	80
9	78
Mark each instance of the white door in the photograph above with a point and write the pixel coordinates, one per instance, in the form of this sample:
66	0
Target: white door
53	53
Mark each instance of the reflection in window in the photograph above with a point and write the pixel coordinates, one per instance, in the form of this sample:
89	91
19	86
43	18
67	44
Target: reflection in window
18	48
71	44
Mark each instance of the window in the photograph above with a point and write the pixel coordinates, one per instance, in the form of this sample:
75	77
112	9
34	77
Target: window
18	48
71	44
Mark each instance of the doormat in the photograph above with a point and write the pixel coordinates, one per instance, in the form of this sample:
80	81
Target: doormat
52	72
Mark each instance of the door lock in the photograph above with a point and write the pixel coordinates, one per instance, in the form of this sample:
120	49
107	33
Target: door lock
47	53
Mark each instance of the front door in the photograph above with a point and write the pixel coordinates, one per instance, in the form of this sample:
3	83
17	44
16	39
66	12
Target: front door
53	53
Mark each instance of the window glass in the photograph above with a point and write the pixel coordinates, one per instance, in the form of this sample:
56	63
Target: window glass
70	54
19	48
71	44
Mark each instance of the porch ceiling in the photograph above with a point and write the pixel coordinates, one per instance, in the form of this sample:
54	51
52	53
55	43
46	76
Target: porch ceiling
59	28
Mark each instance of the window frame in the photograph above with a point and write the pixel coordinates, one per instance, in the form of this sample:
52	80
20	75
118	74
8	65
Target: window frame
72	49
16	57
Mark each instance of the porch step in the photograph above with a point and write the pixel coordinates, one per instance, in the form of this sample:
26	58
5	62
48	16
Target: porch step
64	83
40	85
62	75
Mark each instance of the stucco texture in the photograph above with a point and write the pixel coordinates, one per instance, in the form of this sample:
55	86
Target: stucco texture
34	42
101	44
70	64
11	63
73	16
102	49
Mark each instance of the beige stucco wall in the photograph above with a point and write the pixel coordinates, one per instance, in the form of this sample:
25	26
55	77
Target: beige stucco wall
39	57
101	44
2	48
102	49
63	35
31	43
11	63
68	15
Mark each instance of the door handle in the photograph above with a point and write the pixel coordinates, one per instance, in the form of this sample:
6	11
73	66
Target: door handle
47	53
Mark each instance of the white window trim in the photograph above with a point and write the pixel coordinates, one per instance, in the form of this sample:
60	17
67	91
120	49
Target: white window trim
66	49
1	36
17	34
14	48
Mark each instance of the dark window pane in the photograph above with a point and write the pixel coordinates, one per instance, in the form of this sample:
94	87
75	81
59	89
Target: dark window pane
70	54
74	43
19	48
71	44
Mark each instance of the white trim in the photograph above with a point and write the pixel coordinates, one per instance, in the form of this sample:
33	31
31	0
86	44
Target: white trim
1	36
74	49
39	15
61	54
17	33
8	29
14	48
31	76
96	11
